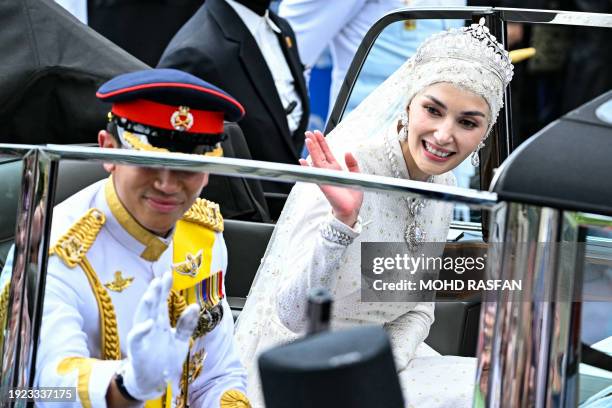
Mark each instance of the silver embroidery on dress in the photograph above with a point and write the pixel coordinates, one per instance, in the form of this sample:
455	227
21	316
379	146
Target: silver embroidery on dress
415	233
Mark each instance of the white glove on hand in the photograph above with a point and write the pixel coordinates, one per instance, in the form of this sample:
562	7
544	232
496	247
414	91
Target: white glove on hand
155	351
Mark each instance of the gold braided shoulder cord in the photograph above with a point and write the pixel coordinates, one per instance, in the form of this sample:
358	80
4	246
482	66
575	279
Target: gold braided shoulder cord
75	243
72	248
109	332
205	213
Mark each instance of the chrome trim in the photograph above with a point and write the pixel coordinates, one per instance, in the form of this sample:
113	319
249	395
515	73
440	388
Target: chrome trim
557	17
542	321
565	344
272	171
528	350
29	265
47	178
12	372
466	226
13	149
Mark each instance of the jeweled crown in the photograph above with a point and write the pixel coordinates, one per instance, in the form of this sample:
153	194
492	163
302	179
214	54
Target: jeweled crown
479	45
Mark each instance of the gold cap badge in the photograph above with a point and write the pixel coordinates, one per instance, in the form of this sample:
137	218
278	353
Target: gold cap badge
182	119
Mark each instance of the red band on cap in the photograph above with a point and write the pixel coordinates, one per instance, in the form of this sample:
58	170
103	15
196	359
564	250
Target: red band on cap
168	117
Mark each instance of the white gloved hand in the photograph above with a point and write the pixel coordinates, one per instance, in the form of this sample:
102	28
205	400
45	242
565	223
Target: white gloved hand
156	352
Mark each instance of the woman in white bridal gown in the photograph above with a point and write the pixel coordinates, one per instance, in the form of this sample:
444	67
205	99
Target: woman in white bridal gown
429	116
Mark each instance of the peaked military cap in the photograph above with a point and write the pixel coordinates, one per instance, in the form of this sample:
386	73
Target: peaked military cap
169	110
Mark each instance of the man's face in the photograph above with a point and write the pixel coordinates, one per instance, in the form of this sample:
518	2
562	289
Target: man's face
156	198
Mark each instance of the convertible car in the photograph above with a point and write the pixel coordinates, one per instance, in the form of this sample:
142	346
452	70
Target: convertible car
545	205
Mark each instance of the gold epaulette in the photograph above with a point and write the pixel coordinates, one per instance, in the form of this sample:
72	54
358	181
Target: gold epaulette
205	213
74	244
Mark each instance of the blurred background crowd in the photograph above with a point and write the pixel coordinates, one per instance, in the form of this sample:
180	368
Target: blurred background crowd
285	61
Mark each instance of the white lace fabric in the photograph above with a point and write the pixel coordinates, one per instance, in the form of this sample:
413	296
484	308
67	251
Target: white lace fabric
300	259
316	261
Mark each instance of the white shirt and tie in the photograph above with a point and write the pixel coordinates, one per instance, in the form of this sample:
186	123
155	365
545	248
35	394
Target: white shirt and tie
265	33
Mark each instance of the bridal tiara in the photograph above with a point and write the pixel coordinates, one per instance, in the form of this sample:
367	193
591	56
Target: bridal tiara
473	43
470	57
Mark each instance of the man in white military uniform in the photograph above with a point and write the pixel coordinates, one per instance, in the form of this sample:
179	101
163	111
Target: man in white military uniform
138	262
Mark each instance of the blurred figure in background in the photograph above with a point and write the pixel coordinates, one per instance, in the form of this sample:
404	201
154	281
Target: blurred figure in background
342	25
56	65
249	51
589	58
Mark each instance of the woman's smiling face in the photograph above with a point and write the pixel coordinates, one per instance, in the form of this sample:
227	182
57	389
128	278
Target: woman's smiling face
445	124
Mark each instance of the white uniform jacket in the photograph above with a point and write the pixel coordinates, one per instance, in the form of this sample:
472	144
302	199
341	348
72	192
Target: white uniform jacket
96	244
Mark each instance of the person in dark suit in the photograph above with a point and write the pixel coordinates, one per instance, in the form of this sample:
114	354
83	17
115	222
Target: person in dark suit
236	45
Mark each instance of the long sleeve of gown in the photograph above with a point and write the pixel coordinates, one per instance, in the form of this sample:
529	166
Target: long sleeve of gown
408	331
314	258
316	264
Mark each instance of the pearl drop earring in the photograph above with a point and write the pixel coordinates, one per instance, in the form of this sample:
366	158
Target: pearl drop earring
475	158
